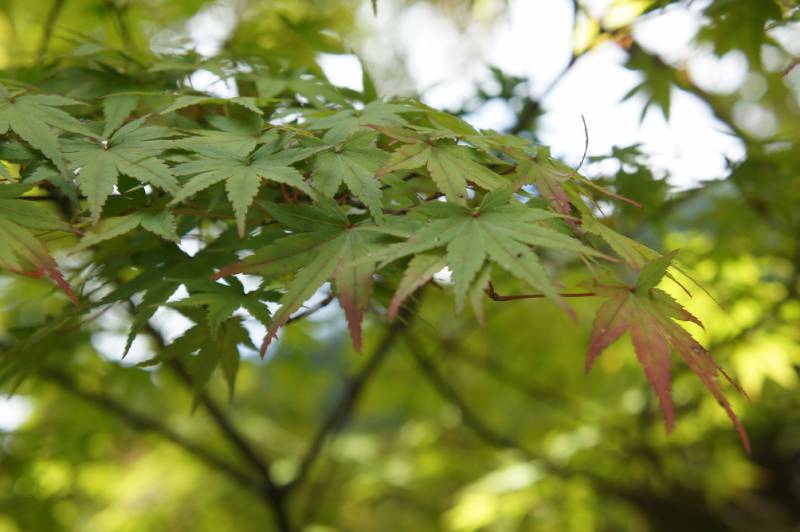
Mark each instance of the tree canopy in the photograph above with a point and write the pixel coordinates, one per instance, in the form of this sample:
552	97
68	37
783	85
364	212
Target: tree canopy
345	309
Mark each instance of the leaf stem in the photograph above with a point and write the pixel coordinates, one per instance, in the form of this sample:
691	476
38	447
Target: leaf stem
494	296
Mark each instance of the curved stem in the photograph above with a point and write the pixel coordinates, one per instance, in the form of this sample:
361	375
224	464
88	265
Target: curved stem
494	296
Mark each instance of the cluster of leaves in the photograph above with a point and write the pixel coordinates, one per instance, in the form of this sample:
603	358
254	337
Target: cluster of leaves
301	188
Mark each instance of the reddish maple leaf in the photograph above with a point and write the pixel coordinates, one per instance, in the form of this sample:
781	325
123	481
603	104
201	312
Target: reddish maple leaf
649	314
24	254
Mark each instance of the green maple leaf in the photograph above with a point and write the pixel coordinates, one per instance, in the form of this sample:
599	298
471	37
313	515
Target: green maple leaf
157	283
325	246
20	250
243	175
354	162
632	252
421	268
342	124
160	222
550	177
649	314
500	231
132	151
116	109
451	166
235	136
32	117
220	301
249	103
204	352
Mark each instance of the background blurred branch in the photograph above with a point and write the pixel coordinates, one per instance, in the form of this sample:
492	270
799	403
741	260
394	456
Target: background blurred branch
143	422
351	393
47	29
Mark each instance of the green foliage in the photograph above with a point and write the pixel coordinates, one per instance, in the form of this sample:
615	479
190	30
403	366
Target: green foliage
118	144
345	238
31	116
140	197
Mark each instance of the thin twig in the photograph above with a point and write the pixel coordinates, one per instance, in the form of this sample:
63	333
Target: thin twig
585	143
311	310
790	67
532	108
494	296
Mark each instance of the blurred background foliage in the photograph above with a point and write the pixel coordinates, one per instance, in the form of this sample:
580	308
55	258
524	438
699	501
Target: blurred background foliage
460	428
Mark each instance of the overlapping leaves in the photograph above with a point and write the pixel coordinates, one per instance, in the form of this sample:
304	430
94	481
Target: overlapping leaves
499	230
340	190
324	246
451	166
20	249
33	117
242	175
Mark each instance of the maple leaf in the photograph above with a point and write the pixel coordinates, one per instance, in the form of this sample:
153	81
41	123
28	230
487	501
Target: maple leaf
550	177
20	251
220	301
159	275
204	351
421	268
450	165
243	175
500	231
648	314
249	103
354	162
319	93
325	246
236	136
31	116
116	109
157	221
132	151
342	124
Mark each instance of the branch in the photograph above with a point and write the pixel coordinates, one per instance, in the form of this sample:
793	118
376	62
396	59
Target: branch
49	25
142	422
491	367
573	59
225	425
792	65
447	392
492	437
274	494
532	108
119	13
350	396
